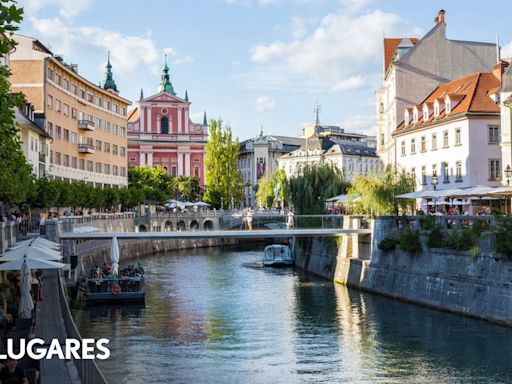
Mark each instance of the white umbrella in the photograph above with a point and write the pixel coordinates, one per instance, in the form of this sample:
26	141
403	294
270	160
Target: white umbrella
39	241
201	204
15	265
419	194
31	252
114	256
26	304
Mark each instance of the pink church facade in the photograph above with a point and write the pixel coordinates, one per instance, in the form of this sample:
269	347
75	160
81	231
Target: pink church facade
160	132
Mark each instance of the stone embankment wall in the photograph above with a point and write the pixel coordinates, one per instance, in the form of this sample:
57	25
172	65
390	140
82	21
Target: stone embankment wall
137	249
444	279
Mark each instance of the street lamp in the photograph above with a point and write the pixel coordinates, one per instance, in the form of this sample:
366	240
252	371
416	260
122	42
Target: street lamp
508	174
434	183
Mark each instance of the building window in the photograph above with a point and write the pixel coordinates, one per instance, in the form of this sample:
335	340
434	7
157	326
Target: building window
51	157
65	84
57	105
445	139
123	171
58	132
415	115
423	144
115	170
82	164
164	125
494	170
74	138
73	113
424	175
56	79
107	147
98	167
66	135
403	147
123	151
434	170
446	173
494	135
413	174
106	104
82	95
74	162
196	172
65	110
50	129
114	108
173	171
50	74
115	149
90	166
448	106
406	117
107	126
413	146
49	101
436	108
89	97
98	145
115	129
98	123
107	169
66	161
434	141
458	171
57	158
458	140
73	89
122	131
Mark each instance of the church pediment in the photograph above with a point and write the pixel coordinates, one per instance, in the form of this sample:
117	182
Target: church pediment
165	97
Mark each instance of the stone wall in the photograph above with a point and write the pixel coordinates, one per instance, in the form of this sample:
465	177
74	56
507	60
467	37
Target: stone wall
443	279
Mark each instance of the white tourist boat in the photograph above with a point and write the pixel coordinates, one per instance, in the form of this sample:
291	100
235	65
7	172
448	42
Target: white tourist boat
277	255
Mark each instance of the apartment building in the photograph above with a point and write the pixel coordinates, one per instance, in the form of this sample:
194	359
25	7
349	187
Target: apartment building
87	122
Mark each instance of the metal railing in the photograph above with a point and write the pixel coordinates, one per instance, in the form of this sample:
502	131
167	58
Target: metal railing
88	370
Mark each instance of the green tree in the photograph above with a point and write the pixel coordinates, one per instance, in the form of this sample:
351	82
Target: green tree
272	191
153	182
16	174
45	193
187	187
376	193
316	183
223	178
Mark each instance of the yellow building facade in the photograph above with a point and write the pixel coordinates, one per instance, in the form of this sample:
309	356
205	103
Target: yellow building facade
87	122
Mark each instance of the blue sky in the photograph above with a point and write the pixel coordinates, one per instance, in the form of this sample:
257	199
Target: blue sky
253	62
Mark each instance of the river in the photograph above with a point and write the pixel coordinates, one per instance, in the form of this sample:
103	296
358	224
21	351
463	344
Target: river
209	318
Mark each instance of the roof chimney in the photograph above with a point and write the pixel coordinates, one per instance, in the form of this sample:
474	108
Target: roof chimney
498	69
436	20
440	16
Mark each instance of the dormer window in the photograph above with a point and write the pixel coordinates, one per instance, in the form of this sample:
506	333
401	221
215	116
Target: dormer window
415	115
425	114
436	108
448	105
407	117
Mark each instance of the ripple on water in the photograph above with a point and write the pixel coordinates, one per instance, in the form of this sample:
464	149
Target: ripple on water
211	318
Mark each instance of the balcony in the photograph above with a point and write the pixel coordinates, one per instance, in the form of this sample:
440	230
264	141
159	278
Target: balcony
42	157
85	148
86	124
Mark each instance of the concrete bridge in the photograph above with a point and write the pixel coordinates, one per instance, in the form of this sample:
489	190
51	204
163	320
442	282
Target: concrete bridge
225	234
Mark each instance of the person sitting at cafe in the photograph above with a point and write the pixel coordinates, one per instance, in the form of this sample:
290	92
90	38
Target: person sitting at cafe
12	374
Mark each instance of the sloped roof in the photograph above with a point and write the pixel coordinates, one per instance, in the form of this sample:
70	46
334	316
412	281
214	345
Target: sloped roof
472	91
133	115
390	46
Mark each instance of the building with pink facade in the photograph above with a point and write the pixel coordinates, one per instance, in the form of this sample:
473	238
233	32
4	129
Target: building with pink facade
160	132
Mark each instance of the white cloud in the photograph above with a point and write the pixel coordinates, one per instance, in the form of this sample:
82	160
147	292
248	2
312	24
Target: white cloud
66	8
506	51
360	123
127	52
265	103
197	117
355	5
338	52
183	60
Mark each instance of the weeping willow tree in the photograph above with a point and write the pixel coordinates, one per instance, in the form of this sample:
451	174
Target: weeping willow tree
375	194
316	183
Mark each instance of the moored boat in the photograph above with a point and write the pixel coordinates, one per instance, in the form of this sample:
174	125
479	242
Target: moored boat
277	255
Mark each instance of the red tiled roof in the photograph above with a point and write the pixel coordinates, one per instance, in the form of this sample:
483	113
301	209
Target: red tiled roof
390	45
133	115
470	91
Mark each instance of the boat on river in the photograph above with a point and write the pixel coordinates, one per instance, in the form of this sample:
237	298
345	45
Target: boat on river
277	255
115	289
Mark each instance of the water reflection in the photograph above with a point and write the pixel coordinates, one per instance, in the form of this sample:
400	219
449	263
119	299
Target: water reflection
208	319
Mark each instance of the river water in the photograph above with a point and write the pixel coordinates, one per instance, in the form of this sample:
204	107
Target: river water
209	318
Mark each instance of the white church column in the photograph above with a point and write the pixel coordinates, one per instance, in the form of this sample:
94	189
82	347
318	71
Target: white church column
187	129
180	163
149	120
187	164
179	119
150	158
142	120
142	159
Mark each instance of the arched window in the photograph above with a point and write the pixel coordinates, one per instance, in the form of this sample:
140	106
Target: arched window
164	125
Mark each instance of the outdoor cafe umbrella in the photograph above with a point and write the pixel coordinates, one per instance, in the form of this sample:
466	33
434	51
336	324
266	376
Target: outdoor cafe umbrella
200	204
39	241
114	256
15	265
26	304
32	252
